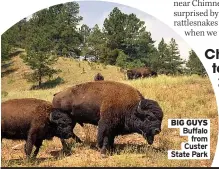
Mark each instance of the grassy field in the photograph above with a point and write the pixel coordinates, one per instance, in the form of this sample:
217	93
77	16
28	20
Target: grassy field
179	97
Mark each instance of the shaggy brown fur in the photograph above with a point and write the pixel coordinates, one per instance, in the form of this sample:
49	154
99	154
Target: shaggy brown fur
116	108
119	95
29	119
98	77
141	72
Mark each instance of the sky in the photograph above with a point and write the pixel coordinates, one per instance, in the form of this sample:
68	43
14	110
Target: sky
94	12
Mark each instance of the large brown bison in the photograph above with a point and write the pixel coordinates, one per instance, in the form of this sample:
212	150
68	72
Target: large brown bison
98	77
115	107
33	120
141	72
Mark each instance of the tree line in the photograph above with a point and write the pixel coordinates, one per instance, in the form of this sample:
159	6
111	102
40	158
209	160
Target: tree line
123	41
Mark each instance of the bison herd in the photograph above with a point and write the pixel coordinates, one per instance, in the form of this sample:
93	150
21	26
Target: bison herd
116	108
136	73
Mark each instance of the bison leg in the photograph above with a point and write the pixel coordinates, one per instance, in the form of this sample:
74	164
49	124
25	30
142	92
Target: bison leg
105	138
111	143
100	134
65	147
76	138
108	145
29	144
38	144
105	146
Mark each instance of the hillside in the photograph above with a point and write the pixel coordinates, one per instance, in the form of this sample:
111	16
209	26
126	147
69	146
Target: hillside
72	72
179	97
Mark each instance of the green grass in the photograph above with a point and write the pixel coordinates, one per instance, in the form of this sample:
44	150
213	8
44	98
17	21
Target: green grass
179	97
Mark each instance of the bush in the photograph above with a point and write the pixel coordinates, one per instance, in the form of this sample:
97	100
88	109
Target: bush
121	60
4	93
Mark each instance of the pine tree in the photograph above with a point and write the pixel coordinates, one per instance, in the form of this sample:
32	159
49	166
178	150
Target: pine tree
62	21
5	46
97	44
84	32
122	60
162	59
174	60
39	56
194	64
128	33
114	29
13	38
40	63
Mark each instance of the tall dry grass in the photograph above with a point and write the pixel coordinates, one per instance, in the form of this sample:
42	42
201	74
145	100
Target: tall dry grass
179	97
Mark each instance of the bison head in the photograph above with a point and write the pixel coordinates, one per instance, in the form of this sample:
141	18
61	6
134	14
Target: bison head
150	115
62	123
130	74
154	74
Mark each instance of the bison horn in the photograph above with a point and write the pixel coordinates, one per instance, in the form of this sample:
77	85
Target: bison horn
157	131
139	110
50	117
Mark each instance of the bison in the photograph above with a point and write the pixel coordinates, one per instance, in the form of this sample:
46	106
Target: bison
33	120
140	72
115	107
98	77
